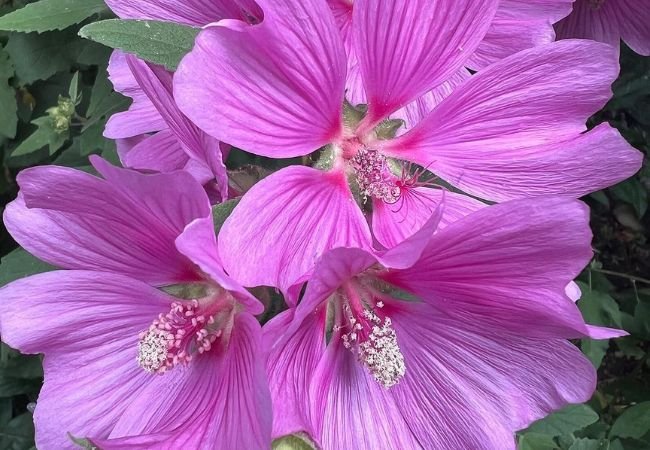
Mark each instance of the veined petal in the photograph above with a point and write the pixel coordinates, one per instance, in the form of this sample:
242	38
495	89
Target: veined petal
142	116
278	86
511	121
633	18
87	324
222	397
518	25
159	153
286	222
391	224
190	12
406	48
508	264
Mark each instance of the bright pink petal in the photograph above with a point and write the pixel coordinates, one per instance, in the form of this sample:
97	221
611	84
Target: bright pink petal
221	398
157	85
508	264
511	122
189	12
159	153
286	222
494	383
519	25
87	324
126	224
609	22
406	48
199	243
391	224
277	87
142	116
291	364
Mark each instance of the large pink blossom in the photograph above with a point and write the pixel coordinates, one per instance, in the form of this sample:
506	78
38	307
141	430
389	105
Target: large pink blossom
450	340
147	342
609	21
278	90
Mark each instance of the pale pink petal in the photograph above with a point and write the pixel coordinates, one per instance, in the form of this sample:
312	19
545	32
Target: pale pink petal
159	153
142	116
573	291
189	12
127	224
391	224
286	222
406	48
509	132
205	150
519	25
87	324
509	264
291	363
277	87
222	397
495	383
199	243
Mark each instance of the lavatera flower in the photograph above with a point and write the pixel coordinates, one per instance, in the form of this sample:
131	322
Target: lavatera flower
147	342
449	341
516	129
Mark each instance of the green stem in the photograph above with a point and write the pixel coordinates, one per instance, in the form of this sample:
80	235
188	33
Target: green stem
622	275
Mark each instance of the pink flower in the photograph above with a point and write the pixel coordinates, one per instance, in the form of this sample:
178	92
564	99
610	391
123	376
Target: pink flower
278	90
178	143
610	21
449	341
147	341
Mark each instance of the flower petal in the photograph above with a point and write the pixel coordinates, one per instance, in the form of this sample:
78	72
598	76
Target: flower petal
87	324
286	222
511	122
159	153
494	383
278	86
125	225
391	224
220	398
406	48
509	264
519	25
190	12
142	116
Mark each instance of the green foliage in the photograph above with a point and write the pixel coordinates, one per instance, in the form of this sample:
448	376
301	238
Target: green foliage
19	264
48	15
162	43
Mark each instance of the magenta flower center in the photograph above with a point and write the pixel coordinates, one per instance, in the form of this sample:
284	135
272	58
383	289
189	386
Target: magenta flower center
368	332
373	175
188	329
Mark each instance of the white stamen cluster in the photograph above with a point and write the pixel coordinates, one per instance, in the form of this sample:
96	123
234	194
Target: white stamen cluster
173	337
371	173
380	352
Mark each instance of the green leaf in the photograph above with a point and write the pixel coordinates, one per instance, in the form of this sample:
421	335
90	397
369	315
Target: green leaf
535	441
9	109
633	423
47	15
19	264
221	212
590	444
18	434
565	421
293	442
633	192
44	135
163	43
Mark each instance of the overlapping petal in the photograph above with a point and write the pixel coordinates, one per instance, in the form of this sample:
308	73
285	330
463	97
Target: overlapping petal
306	213
509	131
277	87
406	48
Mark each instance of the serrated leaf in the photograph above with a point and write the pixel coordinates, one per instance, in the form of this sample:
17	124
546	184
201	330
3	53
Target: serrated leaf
19	264
44	135
9	109
633	423
565	421
163	43
48	15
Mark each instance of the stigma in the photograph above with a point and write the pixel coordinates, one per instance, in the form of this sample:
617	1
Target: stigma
373	175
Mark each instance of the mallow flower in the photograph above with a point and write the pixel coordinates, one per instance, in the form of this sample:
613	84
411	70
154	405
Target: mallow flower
147	342
177	144
452	340
609	21
278	89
